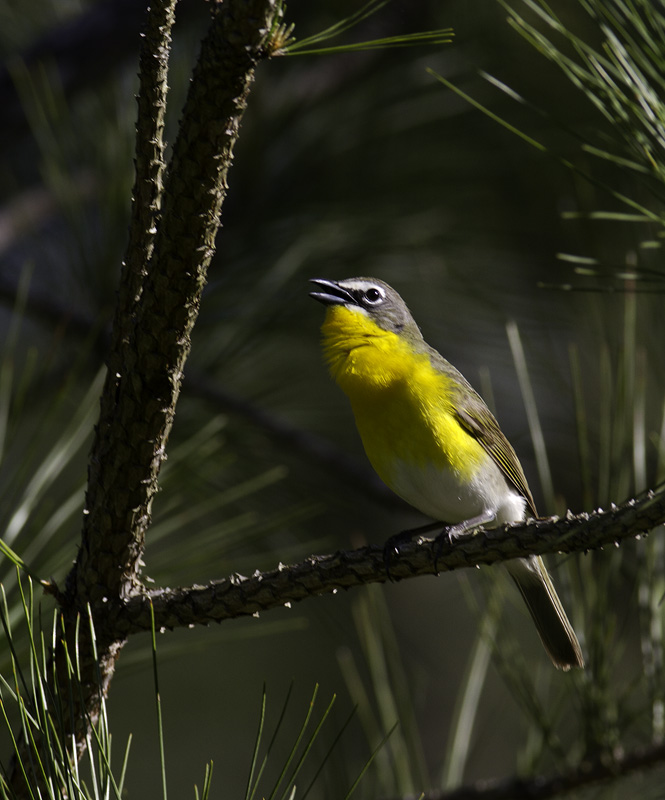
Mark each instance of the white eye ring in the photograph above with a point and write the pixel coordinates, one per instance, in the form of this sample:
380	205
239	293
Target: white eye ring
374	296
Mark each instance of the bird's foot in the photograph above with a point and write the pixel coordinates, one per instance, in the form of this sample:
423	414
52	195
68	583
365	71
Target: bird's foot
392	546
443	542
445	539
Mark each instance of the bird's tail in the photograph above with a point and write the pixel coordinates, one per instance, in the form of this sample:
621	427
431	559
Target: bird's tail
554	629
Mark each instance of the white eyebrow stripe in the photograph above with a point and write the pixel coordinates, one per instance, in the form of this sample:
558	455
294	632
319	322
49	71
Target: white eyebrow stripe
363	286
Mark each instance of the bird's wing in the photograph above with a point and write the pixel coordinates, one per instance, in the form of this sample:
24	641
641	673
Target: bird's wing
474	416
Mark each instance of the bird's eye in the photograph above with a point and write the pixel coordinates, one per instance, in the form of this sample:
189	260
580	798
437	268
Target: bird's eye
373	296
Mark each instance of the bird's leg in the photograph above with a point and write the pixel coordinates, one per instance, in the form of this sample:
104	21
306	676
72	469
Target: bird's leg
450	532
392	545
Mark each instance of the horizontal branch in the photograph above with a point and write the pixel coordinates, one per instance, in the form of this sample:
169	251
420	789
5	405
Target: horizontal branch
240	596
541	788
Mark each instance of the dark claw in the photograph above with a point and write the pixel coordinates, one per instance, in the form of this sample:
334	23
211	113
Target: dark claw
444	538
391	549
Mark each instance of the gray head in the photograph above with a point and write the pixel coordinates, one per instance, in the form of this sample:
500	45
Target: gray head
372	297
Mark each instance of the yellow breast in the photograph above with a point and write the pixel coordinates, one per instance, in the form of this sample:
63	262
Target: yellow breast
402	405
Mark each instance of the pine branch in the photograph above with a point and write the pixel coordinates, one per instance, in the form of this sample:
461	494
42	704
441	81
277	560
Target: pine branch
542	788
150	146
171	243
241	596
151	340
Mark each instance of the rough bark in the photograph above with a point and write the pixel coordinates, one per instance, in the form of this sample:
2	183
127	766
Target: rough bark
172	240
241	596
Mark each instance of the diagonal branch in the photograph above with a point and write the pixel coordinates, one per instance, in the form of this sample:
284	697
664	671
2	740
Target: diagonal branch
241	596
151	339
172	240
149	162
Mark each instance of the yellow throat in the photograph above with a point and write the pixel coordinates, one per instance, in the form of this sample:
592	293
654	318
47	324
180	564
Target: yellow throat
403	406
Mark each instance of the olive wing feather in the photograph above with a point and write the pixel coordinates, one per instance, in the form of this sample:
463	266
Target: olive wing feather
474	416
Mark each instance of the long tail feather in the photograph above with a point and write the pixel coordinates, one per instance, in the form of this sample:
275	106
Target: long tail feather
554	629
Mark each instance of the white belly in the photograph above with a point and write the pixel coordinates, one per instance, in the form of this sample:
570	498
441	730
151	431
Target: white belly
442	496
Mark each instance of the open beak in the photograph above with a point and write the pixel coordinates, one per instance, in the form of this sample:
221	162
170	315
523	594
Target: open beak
332	294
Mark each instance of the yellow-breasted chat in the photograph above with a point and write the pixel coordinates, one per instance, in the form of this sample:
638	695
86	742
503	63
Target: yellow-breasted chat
430	437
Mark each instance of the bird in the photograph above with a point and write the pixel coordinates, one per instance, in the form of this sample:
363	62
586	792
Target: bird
431	438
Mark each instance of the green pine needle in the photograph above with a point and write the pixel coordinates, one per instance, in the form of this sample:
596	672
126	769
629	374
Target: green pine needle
307	46
441	36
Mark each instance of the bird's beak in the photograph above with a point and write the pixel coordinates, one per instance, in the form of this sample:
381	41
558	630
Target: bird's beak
332	294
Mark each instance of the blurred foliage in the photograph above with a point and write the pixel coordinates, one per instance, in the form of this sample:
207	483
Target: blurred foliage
33	703
358	164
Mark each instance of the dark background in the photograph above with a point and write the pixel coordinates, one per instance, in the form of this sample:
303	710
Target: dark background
355	164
